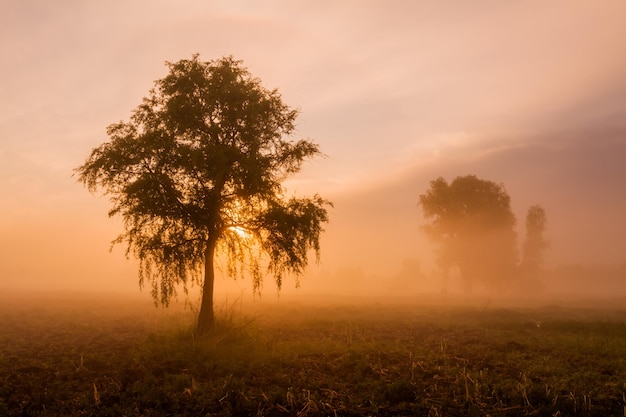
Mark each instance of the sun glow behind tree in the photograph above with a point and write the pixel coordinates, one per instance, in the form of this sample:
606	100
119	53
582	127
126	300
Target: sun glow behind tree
198	171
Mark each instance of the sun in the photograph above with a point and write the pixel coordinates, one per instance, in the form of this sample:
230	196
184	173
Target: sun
240	231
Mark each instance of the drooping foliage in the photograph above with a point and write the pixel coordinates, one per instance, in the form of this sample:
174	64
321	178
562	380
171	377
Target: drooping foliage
198	169
472	223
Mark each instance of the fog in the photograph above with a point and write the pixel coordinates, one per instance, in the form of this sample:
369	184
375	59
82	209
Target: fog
529	95
374	245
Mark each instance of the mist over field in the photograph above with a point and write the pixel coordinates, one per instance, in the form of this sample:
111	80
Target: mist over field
374	243
458	166
529	95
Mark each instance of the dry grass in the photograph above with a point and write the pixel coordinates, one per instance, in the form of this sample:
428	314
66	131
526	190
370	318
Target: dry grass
112	358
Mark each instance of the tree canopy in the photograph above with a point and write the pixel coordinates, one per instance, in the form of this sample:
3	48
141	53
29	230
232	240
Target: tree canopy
472	223
198	170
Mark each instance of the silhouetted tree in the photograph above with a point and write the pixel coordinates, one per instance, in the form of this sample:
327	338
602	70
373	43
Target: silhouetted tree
198	170
535	242
472	222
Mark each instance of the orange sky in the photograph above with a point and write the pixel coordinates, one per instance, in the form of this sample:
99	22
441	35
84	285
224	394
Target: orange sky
531	94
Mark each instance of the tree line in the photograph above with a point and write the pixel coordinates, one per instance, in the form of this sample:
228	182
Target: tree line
472	224
198	170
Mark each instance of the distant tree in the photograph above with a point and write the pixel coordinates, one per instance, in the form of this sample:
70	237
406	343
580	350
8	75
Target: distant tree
534	243
198	170
472	222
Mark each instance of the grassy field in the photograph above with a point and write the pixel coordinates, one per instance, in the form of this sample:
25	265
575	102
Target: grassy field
114	357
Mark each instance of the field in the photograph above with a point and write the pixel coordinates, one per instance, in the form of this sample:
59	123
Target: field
98	356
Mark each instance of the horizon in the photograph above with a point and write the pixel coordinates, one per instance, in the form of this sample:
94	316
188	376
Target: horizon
532	96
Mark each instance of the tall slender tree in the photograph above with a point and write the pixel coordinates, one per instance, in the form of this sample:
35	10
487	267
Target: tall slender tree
198	170
535	242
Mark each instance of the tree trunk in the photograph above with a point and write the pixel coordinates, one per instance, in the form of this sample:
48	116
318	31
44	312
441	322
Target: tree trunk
206	317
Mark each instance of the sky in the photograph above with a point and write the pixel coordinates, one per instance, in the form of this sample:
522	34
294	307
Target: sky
528	94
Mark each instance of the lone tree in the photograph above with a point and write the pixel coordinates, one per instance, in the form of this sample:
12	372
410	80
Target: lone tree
198	170
535	243
472	222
